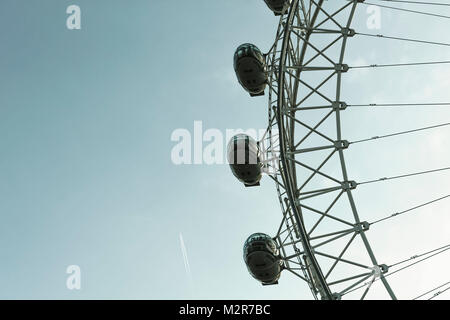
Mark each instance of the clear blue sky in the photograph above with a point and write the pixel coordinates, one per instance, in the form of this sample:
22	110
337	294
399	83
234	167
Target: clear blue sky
85	171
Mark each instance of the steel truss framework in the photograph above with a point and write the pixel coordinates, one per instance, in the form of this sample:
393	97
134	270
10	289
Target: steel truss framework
315	235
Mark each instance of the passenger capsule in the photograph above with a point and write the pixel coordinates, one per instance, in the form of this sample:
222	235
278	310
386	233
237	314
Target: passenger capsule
262	258
243	157
277	6
250	69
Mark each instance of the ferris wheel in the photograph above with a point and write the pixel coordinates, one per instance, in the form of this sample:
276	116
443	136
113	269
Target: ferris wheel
322	239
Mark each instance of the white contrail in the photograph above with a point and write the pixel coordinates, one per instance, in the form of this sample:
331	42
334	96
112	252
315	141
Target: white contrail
185	258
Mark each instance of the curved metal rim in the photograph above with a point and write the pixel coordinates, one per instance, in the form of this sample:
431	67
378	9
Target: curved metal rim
288	183
288	173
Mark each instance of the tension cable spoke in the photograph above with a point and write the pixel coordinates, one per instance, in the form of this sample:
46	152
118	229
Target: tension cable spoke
400	104
408	10
403	176
399	64
418	2
403	39
444	248
440	249
410	209
401	133
434	289
439	293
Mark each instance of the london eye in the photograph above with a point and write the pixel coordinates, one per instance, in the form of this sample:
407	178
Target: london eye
323	237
